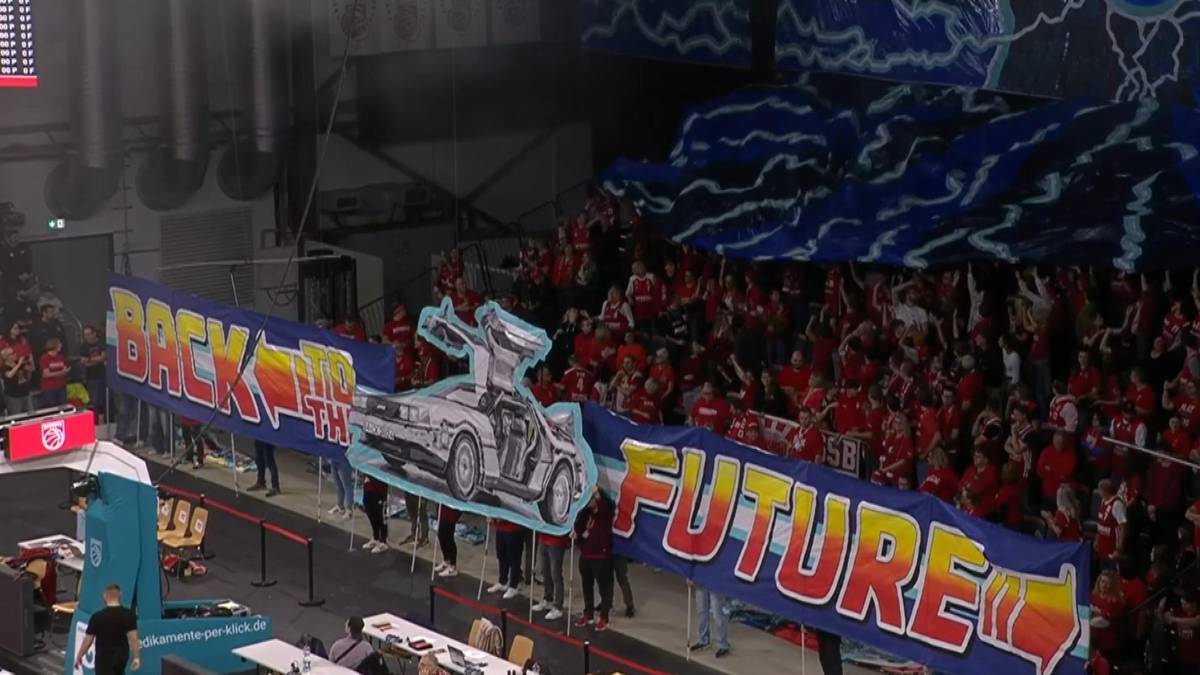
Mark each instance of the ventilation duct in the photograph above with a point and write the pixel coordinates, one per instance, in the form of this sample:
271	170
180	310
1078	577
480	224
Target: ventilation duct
78	186
249	168
174	172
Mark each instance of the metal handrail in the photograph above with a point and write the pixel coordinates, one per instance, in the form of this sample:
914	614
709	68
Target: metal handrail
1148	451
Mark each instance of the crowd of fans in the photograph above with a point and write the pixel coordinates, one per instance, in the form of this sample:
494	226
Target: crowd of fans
34	367
1027	396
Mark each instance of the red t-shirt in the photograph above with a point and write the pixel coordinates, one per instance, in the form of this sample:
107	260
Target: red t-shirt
927	429
712	414
1142	396
546	394
1069	529
981	484
941	483
1082	382
465	304
577	384
643	295
355	332
850	414
399	332
806	443
406	367
645	407
970	386
54	371
1055	467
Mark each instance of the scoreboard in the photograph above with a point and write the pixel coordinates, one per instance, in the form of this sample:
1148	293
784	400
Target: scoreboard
17	65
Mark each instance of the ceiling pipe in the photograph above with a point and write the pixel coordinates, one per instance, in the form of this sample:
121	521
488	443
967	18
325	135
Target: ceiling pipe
79	185
175	170
251	167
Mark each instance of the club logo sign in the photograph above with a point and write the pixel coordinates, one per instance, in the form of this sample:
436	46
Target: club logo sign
354	17
54	435
515	12
459	15
95	552
407	18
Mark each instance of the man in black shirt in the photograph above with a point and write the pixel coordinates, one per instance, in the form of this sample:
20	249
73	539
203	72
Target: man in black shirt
114	632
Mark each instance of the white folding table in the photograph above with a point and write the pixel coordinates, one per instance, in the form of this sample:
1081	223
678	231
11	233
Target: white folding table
382	626
67	551
278	656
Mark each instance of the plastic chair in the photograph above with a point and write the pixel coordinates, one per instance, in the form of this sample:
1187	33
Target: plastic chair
194	536
37	570
473	636
67	608
179	524
165	508
521	650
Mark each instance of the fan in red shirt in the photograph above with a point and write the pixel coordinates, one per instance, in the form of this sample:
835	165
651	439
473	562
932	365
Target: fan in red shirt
1177	439
54	369
929	431
949	417
980	479
351	328
793	379
450	270
1084	382
833	290
644	293
1107	605
850	411
710	411
743	421
1064	522
603	351
465	301
1186	404
398	331
1141	394
896	464
566	264
577	382
428	369
581	233
645	405
544	390
627	380
406	367
806	442
970	387
941	481
662	372
1055	467
615	313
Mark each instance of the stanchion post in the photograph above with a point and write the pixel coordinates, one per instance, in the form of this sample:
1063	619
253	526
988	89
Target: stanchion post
587	656
204	555
262	582
432	596
503	631
311	601
571	562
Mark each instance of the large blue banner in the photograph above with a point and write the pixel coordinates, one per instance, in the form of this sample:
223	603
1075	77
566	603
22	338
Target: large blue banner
901	571
1118	50
183	353
920	177
704	31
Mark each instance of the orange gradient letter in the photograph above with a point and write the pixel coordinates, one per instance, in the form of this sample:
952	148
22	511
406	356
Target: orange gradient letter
882	562
942	582
227	353
771	493
191	332
130	319
1047	624
1003	592
701	543
814	583
164	348
641	485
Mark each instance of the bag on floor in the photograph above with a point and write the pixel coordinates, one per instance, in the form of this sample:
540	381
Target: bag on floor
373	665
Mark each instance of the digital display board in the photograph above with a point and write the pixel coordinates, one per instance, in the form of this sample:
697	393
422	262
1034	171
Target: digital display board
17	65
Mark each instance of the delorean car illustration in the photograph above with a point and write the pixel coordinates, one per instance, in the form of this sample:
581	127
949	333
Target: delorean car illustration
482	433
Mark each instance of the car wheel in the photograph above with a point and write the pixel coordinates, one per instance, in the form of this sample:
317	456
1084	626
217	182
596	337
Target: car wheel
464	471
556	502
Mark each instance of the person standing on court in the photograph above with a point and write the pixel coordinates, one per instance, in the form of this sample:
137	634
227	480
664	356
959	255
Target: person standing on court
113	630
264	461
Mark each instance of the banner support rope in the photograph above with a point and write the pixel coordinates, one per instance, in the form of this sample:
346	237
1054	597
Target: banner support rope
570	583
320	479
353	507
487	539
687	637
416	521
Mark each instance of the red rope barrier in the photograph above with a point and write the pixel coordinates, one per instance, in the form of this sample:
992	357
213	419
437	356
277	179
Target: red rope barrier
241	515
271	527
180	493
465	601
625	662
547	631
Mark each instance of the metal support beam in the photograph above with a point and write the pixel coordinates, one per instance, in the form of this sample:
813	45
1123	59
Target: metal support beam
516	158
411	173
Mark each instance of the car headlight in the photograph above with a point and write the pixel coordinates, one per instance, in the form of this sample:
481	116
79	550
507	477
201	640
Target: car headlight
423	416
